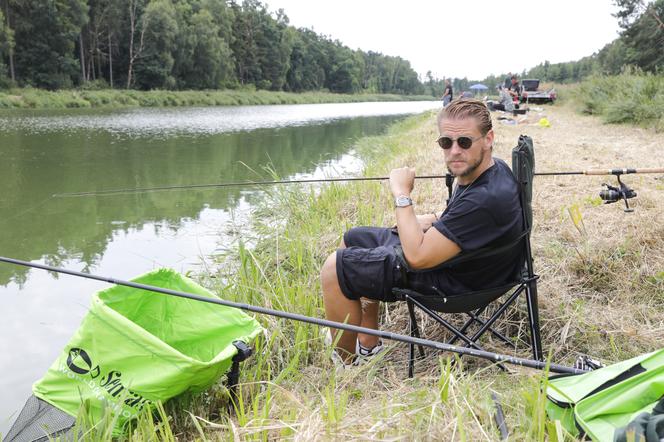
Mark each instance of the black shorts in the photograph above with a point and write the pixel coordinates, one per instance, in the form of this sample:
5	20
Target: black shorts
368	267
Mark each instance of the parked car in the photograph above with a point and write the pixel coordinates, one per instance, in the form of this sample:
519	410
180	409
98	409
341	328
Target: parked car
531	93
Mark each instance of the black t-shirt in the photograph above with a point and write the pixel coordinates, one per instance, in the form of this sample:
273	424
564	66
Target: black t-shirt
486	212
516	87
448	91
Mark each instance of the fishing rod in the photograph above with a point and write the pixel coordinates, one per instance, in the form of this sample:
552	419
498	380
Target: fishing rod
609	195
612	194
495	357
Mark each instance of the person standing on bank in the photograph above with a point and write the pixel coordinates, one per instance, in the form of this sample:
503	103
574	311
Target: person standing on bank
515	88
483	210
448	95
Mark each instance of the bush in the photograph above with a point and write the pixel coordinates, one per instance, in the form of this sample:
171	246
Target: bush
631	97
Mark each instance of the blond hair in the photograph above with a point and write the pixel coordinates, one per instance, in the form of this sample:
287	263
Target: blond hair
467	108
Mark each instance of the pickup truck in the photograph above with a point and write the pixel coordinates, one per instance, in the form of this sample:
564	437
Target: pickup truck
530	92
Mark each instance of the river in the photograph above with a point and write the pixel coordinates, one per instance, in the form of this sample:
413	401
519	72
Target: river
43	153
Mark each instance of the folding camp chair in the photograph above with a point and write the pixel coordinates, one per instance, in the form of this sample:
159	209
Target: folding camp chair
473	304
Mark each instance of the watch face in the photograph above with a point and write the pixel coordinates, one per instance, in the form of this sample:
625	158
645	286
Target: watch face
404	201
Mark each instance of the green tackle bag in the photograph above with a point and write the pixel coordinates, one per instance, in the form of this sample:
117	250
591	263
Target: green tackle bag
136	347
602	403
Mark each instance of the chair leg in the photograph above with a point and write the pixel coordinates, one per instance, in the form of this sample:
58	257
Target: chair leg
475	317
487	325
414	331
411	346
470	342
491	329
533	317
467	324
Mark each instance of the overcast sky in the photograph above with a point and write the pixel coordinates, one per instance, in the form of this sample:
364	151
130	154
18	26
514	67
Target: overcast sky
462	38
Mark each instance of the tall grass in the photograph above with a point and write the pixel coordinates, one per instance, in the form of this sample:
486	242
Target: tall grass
112	98
631	97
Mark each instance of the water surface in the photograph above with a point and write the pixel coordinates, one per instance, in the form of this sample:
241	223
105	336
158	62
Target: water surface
49	152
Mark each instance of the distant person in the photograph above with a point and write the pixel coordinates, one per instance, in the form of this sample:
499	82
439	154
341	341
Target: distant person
448	95
504	103
514	88
466	94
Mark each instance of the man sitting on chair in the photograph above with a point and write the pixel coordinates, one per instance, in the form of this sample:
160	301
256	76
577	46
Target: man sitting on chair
483	210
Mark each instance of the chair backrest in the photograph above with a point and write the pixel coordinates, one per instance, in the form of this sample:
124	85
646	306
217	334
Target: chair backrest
523	168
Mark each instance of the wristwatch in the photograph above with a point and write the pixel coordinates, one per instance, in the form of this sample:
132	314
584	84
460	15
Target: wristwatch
403	201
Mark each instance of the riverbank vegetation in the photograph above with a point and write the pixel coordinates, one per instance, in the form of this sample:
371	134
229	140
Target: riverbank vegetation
631	97
29	98
599	259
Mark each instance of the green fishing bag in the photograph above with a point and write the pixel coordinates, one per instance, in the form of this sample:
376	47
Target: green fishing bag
601	402
136	347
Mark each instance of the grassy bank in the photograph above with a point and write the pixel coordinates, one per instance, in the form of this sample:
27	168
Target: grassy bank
628	98
601	293
112	98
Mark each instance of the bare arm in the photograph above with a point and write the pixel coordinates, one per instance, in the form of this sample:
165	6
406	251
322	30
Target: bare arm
426	220
421	250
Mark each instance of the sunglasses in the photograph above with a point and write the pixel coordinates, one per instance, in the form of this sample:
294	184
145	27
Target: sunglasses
463	142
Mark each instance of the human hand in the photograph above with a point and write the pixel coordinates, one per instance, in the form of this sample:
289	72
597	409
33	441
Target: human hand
402	181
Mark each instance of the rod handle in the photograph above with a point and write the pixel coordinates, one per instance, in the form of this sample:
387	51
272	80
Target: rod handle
622	171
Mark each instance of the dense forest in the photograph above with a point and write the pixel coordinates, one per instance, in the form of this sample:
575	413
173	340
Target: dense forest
182	44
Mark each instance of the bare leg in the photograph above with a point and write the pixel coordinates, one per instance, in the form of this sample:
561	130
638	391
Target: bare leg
370	310
338	308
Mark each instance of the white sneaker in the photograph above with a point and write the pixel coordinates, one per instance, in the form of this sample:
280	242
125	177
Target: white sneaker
367	353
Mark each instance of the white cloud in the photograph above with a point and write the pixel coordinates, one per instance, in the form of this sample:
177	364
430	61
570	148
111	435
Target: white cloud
469	38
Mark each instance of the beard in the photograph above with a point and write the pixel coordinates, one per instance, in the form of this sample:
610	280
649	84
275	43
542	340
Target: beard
472	167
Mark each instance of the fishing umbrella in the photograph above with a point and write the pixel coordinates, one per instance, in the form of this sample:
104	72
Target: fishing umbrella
478	87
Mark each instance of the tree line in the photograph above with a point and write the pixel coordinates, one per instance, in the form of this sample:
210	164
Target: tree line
182	44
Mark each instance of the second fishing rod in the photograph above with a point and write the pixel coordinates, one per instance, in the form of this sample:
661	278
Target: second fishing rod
448	176
609	194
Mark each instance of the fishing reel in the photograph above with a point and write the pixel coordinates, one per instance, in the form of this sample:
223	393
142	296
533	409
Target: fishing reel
614	194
